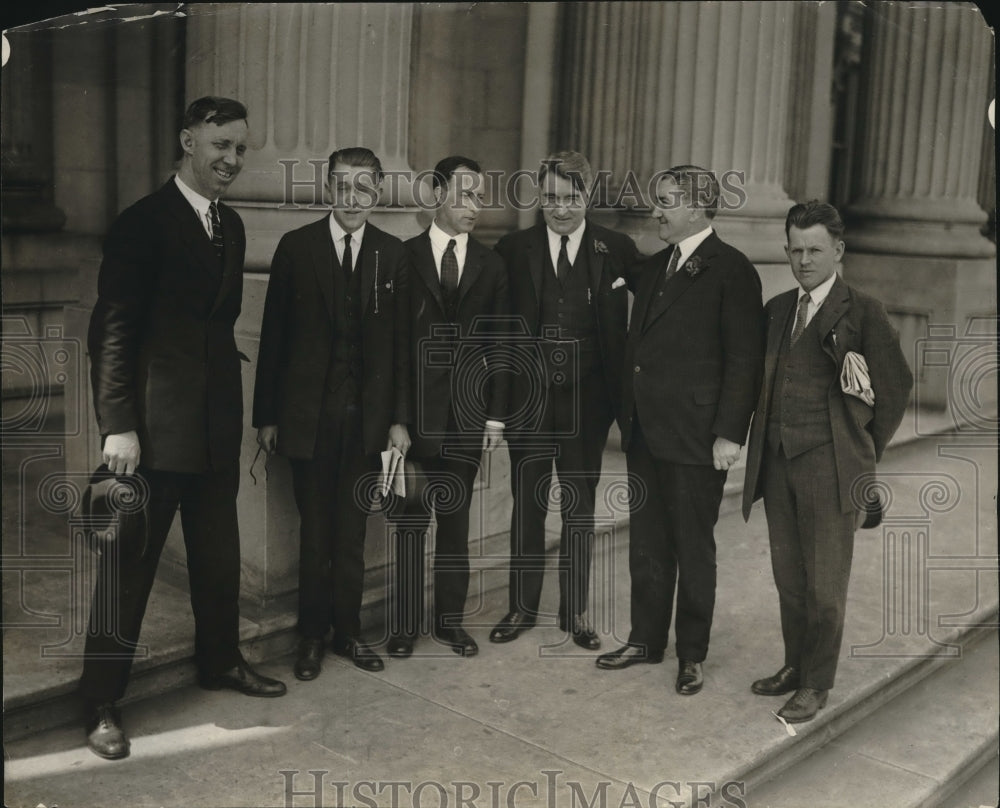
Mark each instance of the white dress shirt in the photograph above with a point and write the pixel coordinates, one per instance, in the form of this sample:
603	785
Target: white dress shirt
439	243
816	298
690	244
199	203
337	233
572	246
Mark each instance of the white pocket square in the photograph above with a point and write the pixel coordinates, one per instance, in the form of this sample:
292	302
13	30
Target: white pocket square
618	282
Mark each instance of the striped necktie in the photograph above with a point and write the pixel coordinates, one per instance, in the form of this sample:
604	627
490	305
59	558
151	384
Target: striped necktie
217	242
800	317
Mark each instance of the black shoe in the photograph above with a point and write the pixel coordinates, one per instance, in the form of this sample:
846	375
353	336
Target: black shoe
804	705
310	659
359	653
105	735
784	681
689	677
628	655
244	679
583	634
400	646
513	624
458	640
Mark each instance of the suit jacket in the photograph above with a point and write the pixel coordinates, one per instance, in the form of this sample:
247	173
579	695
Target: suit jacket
455	367
848	320
609	255
298	330
163	357
693	367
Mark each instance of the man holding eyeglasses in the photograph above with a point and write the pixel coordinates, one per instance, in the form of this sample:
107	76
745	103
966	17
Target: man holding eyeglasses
332	392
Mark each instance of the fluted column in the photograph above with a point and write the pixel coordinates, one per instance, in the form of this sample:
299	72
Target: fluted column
651	85
921	132
314	77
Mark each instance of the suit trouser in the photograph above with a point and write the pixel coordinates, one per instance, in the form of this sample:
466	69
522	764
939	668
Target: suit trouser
672	547
450	476
812	545
211	538
572	431
333	514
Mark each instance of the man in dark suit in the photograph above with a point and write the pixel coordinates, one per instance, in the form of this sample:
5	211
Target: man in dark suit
693	363
813	446
458	297
566	290
332	392
167	393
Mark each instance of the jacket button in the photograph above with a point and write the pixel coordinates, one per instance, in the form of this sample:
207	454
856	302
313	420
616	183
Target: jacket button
636	368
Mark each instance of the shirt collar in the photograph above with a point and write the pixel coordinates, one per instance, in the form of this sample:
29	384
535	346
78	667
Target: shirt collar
196	200
555	239
440	239
688	245
338	233
821	292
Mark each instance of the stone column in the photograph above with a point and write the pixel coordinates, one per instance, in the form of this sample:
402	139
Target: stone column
914	237
651	85
314	78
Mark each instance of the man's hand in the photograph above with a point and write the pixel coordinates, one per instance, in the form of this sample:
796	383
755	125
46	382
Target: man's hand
399	437
121	452
492	436
725	453
267	438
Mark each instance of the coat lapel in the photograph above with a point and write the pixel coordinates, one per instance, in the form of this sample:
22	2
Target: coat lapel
190	230
426	268
784	308
473	268
834	307
231	269
323	257
536	264
371	268
676	286
593	259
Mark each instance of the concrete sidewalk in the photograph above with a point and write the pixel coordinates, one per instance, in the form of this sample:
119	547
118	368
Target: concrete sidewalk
535	723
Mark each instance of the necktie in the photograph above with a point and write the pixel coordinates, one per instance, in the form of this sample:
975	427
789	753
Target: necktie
217	242
800	317
347	264
563	265
449	268
675	258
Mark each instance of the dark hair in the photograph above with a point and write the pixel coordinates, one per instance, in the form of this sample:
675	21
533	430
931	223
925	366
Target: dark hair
357	157
570	165
808	214
699	185
213	109
445	168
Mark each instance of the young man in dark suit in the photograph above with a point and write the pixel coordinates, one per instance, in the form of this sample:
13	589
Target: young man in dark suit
458	297
813	445
332	392
567	292
693	363
167	385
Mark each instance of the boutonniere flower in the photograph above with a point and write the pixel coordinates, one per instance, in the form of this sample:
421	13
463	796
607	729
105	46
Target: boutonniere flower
600	247
694	265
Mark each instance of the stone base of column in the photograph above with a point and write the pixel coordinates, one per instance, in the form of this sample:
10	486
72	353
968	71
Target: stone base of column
945	311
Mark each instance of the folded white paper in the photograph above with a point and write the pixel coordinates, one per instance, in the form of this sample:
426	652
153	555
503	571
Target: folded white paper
618	282
392	478
854	378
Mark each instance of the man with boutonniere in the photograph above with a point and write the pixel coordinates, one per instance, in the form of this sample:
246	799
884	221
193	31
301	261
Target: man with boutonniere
569	298
836	385
692	372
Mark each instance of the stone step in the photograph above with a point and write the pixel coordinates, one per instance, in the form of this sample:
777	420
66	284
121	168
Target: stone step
937	740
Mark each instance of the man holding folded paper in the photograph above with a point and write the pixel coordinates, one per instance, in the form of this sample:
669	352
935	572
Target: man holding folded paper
836	385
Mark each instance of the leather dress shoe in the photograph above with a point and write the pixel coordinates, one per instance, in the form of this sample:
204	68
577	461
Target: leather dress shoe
513	624
689	677
583	634
458	640
105	736
400	646
628	655
244	679
310	659
804	705
784	681
359	653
